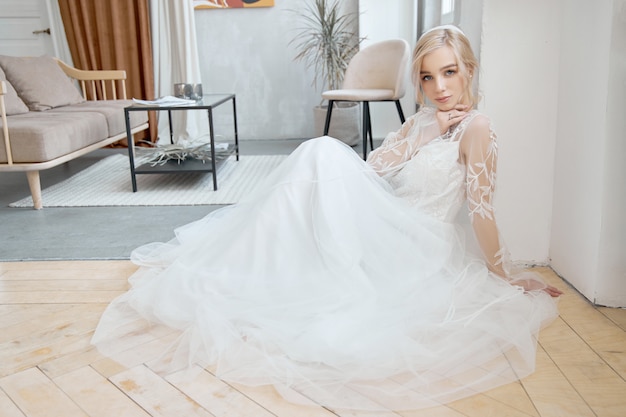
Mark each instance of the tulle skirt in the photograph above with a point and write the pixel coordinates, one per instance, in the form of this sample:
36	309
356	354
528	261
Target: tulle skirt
328	287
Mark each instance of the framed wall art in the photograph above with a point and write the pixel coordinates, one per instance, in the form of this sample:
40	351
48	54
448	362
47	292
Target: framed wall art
231	4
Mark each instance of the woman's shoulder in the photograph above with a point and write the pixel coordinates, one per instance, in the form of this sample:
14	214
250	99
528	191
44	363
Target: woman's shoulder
477	133
478	125
479	120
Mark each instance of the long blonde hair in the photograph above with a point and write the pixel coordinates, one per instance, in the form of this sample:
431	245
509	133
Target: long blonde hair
453	37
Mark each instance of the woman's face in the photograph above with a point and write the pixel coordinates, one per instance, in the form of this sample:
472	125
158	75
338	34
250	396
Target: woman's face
441	79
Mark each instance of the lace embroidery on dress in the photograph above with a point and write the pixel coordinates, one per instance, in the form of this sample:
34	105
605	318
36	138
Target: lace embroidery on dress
481	181
399	147
480	165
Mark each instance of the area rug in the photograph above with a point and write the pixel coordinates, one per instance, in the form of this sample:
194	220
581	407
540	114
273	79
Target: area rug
108	183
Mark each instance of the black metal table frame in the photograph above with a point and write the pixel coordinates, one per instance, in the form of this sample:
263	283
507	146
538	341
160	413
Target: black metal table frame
208	102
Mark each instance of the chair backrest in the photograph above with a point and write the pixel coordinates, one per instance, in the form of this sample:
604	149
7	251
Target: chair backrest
381	65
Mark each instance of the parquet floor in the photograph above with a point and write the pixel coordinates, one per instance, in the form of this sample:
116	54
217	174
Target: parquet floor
48	311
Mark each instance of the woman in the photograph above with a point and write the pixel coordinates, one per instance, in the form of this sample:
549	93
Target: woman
351	283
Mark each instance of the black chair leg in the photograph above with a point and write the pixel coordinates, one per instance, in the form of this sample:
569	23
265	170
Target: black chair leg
329	112
369	129
366	127
400	112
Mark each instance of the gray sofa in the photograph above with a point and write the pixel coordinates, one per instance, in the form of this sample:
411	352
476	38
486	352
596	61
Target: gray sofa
52	113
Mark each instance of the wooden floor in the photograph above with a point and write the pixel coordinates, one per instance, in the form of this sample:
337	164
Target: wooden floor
48	311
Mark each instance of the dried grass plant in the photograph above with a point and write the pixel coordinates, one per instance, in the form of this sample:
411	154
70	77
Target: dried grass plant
326	41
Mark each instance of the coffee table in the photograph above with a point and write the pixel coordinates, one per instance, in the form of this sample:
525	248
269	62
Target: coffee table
208	103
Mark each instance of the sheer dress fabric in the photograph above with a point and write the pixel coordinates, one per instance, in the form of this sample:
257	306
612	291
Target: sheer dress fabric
344	283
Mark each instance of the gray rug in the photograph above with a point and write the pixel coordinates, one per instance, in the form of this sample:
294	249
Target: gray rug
108	183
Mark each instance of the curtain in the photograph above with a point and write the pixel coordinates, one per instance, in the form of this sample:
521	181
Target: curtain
113	34
59	41
176	61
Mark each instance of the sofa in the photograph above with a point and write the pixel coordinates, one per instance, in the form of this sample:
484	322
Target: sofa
52	113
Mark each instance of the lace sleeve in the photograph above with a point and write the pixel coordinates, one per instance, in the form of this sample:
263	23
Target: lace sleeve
479	152
399	147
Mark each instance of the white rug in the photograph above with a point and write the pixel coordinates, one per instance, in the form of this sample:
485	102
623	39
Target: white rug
108	183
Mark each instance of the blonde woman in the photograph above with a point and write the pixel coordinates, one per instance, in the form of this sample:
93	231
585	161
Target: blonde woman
351	283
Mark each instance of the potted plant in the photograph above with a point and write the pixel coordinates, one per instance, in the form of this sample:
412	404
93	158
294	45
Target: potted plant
326	42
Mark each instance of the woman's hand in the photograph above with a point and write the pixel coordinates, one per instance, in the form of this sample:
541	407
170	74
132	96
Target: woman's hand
449	118
553	291
534	285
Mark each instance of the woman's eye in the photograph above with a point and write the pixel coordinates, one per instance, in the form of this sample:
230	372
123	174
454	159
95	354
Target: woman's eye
450	72
427	78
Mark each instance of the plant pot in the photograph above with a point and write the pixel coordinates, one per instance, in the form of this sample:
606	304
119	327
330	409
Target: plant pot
345	123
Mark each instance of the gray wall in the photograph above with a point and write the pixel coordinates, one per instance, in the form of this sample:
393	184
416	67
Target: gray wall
246	51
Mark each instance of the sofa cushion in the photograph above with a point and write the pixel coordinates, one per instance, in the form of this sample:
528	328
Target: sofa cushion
43	136
40	82
12	103
112	110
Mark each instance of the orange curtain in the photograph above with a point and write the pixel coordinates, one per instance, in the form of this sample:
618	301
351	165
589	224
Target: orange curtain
113	34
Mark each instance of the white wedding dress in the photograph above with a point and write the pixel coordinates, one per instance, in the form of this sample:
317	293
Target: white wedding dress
348	283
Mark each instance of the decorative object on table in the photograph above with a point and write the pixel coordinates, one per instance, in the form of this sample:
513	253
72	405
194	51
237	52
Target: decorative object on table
231	4
182	90
162	154
196	91
326	43
188	91
165	101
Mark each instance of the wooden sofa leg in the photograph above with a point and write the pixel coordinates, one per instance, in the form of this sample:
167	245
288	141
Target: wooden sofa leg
35	188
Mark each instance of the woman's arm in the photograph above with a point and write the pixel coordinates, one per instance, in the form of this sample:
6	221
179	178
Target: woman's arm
394	150
479	153
400	146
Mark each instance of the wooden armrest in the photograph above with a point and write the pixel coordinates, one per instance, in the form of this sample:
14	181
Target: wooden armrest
96	83
5	127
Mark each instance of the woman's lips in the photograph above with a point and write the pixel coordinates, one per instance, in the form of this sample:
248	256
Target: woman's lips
443	99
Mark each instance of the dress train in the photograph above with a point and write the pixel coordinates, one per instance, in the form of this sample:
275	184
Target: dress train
329	287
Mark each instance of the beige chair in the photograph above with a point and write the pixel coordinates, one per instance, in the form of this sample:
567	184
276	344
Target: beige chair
376	73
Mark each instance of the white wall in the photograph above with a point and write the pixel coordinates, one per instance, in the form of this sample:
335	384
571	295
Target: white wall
379	21
611	288
519	78
556	95
470	20
588	244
